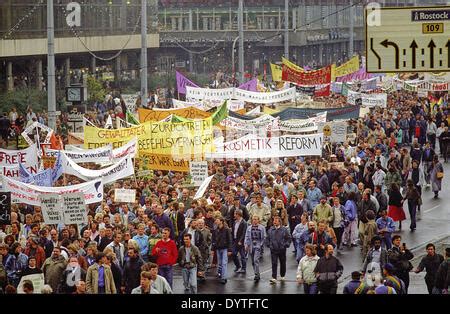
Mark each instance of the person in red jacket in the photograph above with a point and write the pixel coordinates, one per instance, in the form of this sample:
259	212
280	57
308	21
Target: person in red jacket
34	249
166	253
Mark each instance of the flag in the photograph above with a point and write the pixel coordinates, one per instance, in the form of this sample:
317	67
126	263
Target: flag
182	82
220	114
276	72
57	170
43	178
55	142
250	85
131	119
109	123
24	175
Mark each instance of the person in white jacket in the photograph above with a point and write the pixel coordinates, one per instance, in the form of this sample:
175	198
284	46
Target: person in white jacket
378	177
305	270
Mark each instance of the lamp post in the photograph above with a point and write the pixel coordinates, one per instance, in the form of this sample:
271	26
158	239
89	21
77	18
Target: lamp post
232	58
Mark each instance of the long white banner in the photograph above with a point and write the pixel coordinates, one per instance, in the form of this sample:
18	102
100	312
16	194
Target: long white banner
233	105
29	194
252	147
97	155
275	124
122	169
195	93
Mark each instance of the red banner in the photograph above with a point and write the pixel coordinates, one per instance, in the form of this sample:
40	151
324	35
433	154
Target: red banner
324	91
318	77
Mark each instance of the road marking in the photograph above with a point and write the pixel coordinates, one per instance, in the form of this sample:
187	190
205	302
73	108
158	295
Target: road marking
429	210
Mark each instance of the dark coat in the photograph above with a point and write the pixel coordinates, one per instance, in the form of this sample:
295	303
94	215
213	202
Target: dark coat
240	234
222	239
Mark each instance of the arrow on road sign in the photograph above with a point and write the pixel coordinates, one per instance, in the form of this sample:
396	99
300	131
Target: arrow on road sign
387	43
375	53
413	48
432	45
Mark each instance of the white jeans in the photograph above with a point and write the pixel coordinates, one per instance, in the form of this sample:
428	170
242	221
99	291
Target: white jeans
350	233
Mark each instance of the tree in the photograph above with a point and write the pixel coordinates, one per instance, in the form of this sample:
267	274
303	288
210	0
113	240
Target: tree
96	91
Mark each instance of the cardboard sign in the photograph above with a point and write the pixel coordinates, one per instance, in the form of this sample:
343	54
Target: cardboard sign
124	196
36	279
130	101
202	189
198	171
51	208
48	162
74	208
333	131
5	208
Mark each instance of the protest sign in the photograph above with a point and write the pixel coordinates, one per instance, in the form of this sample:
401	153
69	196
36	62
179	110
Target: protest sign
163	162
202	189
146	115
51	208
167	138
36	279
130	101
317	77
10	160
198	171
253	147
97	155
74	209
119	170
5	208
333	131
29	194
125	195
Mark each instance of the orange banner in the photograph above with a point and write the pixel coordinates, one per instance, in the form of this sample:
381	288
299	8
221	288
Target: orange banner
146	115
318	77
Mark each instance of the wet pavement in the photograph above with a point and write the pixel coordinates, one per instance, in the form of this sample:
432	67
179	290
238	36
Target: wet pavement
433	224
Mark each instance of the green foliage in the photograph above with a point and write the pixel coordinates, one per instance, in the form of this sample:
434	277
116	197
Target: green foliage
22	98
96	91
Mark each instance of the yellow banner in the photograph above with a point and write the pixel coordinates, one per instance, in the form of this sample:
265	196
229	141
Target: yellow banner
270	110
351	66
276	72
291	65
149	161
190	138
147	115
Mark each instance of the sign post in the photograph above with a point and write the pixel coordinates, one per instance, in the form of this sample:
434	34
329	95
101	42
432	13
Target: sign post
408	39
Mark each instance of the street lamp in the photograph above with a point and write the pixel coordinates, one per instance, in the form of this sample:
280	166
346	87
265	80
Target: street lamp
232	58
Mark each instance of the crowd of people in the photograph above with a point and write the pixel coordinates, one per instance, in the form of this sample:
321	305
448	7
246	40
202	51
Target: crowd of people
354	196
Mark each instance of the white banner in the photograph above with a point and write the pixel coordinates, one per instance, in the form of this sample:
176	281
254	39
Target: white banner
202	189
125	196
74	208
198	171
51	208
333	131
209	93
195	93
265	98
373	100
232	105
130	101
128	149
29	194
122	169
97	155
10	160
367	100
422	92
252	147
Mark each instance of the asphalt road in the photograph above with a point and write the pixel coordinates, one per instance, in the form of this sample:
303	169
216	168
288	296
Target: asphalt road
433	224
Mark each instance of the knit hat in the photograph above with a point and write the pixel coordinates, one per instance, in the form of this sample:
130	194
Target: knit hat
389	267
